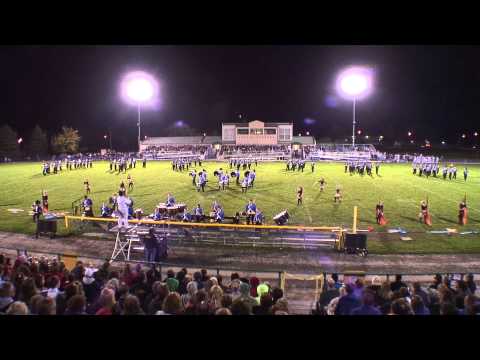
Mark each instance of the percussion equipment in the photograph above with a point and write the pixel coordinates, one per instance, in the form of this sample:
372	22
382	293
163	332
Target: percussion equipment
281	218
171	210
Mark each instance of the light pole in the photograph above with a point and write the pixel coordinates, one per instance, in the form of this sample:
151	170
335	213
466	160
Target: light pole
355	83
139	88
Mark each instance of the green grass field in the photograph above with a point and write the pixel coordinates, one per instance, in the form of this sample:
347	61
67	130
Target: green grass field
275	189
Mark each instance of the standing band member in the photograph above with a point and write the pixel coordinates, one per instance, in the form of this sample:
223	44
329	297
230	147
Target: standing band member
379	213
465	173
130	182
299	195
322	184
44	201
87	186
37	210
338	195
144	162
424	215
463	213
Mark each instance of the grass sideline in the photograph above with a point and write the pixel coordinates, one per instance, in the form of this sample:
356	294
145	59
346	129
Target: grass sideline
275	189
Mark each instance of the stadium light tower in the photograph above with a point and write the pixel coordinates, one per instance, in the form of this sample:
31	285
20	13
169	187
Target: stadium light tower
355	83
139	88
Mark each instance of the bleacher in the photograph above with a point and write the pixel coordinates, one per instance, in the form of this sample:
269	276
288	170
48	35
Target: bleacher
340	152
260	153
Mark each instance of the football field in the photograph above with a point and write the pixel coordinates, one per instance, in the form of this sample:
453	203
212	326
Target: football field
274	191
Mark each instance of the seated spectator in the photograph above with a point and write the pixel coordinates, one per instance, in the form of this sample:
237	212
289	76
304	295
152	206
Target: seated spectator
7	294
358	288
223	311
29	289
17	308
76	305
62	299
397	284
265	307
367	307
418	306
172	305
471	284
262	289
281	305
197	277
182	282
47	306
347	302
401	307
403	293
334	302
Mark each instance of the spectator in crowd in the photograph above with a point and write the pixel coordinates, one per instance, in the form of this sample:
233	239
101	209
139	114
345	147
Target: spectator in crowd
277	293
197	277
327	296
437	280
7	293
245	296
29	289
34	303
358	288
227	301
223	311
215	298
338	283
263	288
418	291
76	305
401	307
398	283
347	302
182	282
172	282
254	282
172	305
70	291
159	291
280	306
47	306
471	284
235	289
418	306
265	307
132	306
18	308
239	307
471	305
191	291
403	293
367	307
332	306
448	308
107	303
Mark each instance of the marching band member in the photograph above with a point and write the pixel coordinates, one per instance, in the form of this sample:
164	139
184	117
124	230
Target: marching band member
87	205
424	215
299	195
258	218
219	215
244	184
130	182
186	216
193	174
157	215
44	201
250	211
338	195
37	210
463	213
379	214
87	186
198	212
465	173
105	210
170	200
322	184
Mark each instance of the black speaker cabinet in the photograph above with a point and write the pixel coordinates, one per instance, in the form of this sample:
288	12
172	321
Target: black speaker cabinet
47	227
355	241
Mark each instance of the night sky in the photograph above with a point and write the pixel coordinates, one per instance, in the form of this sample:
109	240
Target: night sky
432	90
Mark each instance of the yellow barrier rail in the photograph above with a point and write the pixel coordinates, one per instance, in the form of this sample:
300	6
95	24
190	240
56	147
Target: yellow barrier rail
235	226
